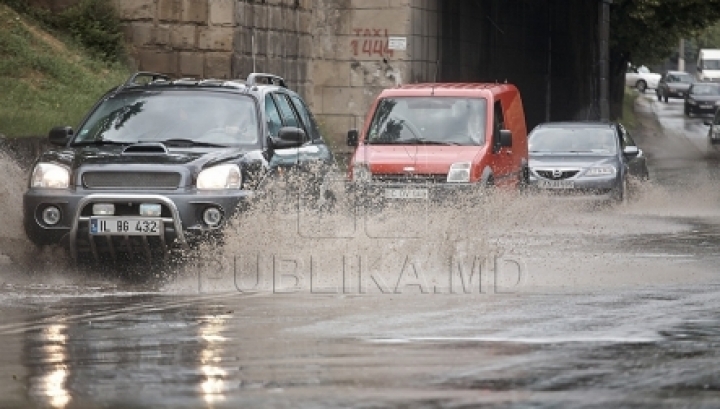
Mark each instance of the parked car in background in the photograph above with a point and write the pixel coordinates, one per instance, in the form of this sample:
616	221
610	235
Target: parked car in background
641	78
702	98
593	160
426	141
673	84
161	163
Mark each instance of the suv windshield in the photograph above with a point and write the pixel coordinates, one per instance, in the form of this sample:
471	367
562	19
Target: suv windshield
429	120
210	118
599	141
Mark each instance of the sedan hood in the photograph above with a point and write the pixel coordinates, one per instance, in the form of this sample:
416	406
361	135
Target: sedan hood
570	161
706	98
425	159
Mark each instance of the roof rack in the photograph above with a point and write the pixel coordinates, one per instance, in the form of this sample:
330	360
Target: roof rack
265	79
154	76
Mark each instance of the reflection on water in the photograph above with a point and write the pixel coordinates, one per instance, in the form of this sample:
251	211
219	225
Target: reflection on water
213	386
49	352
170	357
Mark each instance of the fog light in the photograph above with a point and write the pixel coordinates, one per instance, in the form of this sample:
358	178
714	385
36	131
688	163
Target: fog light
150	210
103	209
51	215
212	216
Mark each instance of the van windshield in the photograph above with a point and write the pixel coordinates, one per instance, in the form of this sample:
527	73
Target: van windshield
711	65
429	120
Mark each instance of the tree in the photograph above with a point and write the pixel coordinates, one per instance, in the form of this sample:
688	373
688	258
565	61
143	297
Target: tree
647	31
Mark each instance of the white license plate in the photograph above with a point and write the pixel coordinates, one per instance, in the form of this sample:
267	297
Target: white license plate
556	184
391	193
125	226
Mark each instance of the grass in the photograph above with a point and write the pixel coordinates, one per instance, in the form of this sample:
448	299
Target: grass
629	119
45	82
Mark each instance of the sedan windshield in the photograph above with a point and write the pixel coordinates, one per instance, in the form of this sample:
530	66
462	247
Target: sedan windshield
600	141
686	78
196	118
429	120
706	89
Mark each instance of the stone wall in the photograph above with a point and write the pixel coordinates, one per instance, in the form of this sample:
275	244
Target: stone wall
353	59
215	38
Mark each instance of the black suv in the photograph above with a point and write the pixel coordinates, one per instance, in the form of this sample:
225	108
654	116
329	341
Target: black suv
159	163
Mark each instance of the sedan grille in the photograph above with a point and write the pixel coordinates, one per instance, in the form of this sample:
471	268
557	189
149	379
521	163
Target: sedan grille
131	180
557	175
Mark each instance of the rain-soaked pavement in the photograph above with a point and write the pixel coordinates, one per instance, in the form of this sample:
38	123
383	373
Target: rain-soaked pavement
525	302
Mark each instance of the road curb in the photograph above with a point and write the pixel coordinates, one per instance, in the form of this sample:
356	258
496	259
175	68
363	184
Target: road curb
664	130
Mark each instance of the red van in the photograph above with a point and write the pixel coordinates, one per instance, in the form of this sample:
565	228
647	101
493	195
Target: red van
445	134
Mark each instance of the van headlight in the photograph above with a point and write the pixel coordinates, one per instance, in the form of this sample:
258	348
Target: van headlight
601	171
220	177
459	172
50	176
361	172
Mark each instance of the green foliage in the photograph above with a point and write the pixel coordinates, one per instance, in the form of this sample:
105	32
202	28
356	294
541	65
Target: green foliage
94	24
44	82
649	30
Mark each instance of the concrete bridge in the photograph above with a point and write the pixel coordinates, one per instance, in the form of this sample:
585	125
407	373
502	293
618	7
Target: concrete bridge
340	53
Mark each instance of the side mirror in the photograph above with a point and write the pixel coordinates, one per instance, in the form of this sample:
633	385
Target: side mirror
505	138
631	151
288	137
352	137
60	135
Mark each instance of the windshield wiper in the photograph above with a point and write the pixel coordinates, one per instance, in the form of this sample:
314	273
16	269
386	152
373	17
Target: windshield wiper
187	142
413	141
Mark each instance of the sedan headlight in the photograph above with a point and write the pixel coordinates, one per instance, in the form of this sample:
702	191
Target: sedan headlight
361	172
50	176
220	177
459	172
601	171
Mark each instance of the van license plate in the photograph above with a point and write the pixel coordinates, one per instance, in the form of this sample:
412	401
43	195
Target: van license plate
556	184
125	226
391	193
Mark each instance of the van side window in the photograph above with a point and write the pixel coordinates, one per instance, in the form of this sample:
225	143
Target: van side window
498	125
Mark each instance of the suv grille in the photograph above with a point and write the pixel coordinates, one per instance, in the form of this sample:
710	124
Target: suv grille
565	174
131	180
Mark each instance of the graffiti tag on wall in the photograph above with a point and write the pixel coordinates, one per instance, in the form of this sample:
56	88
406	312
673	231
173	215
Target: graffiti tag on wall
371	42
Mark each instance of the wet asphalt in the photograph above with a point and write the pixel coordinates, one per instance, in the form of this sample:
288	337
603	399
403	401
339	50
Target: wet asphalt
531	302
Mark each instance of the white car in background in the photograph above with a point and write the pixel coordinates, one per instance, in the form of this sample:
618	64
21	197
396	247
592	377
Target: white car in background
641	78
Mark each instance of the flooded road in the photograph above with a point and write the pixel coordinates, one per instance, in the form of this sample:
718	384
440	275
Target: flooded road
524	302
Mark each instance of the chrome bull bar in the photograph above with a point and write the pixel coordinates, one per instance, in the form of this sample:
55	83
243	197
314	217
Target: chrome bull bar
95	198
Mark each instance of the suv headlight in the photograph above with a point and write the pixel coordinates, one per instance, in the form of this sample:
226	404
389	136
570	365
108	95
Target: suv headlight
459	172
601	171
50	176
220	177
361	172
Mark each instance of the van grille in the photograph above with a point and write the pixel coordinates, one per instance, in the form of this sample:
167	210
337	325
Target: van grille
131	180
401	178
